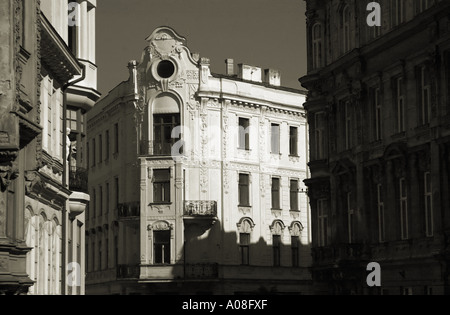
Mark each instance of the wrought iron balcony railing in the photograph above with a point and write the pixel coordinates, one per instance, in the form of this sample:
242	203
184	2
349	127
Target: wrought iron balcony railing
200	208
78	179
157	148
129	210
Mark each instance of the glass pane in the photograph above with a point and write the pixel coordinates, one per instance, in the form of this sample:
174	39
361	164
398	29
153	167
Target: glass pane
161	175
157	192
244	239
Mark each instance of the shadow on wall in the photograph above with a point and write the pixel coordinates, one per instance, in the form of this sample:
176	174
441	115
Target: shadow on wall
218	262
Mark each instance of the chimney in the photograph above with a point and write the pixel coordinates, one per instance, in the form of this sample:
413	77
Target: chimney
272	77
249	73
230	66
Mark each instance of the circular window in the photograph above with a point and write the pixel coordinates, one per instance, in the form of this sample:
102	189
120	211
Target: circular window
165	69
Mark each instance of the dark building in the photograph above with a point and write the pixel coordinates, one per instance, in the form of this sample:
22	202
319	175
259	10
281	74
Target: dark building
379	116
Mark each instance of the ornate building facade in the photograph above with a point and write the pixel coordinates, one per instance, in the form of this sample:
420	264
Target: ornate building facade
196	179
37	206
378	110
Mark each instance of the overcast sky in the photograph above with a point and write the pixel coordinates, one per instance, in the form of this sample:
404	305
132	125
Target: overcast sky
263	33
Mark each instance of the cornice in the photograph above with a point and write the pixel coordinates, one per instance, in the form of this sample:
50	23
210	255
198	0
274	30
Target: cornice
56	55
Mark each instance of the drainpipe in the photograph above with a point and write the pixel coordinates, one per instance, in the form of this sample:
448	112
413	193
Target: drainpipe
64	176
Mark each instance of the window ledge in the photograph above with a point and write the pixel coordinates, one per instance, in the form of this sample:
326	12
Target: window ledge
245	210
276	212
160	203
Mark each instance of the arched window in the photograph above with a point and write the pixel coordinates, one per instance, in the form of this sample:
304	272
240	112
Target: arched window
277	228
56	255
317	45
42	255
346	32
295	229
30	239
245	228
162	234
166	122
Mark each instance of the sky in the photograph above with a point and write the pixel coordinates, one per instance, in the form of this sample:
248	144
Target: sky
262	33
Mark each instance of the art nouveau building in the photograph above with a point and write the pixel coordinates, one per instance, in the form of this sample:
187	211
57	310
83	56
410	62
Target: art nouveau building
196	179
38	208
378	112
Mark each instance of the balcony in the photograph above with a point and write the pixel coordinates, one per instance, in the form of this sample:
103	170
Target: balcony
200	208
200	211
128	271
78	179
129	211
156	148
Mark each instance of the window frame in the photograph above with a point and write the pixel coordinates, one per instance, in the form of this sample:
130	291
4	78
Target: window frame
246	187
164	182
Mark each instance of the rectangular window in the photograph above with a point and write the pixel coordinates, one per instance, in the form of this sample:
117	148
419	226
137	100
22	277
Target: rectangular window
319	145
94	266
403	190
106	252
161	247
244	134
398	12
422	5
100	197
100	148
275	193
82	122
406	291
50	112
107	197
380	207
276	243
93	153
350	218
293	141
244	190
87	154
428	198
163	126
348	125
317	45
295	248
116	138
425	95
99	255
377	114
322	223
94	203
161	185
107	145
116	250
293	195
116	186
244	246
275	139
72	119
86	258
399	94
346	17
